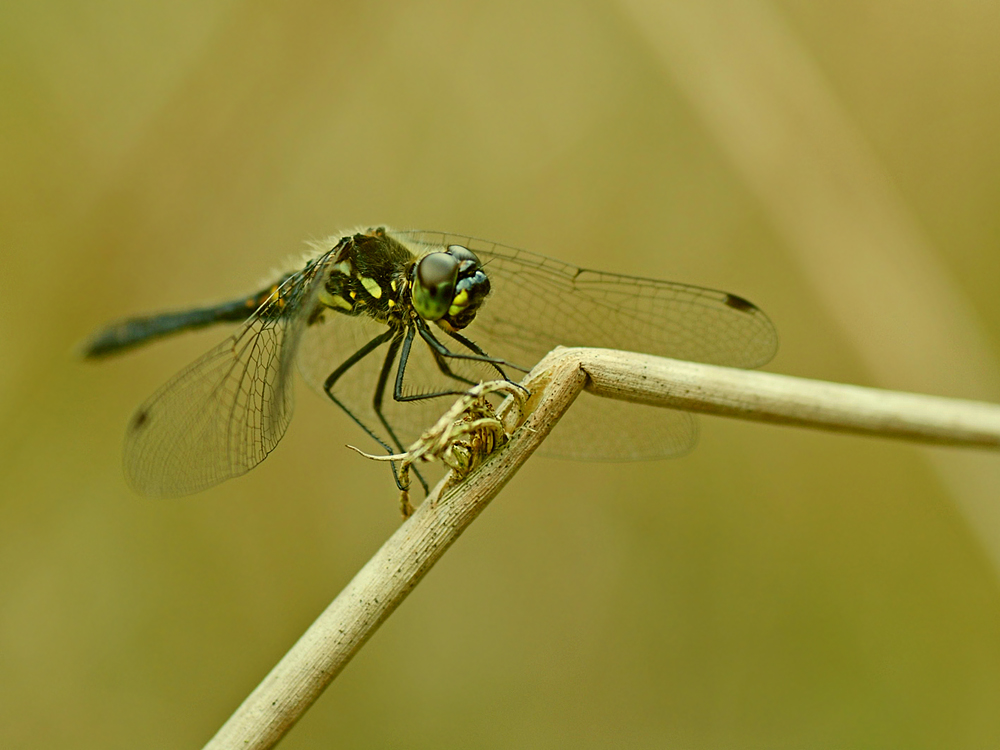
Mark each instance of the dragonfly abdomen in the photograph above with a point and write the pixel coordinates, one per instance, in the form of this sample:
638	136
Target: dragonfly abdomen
131	332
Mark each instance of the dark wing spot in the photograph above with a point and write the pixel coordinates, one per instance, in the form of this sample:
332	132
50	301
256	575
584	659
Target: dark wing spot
140	419
738	303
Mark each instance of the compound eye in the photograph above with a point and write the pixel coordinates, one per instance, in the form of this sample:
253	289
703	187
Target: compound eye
434	285
462	253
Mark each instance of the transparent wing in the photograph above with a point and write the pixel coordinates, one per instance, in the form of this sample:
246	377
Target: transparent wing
223	414
538	303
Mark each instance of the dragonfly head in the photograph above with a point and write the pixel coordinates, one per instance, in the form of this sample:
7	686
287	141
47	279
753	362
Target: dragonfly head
449	287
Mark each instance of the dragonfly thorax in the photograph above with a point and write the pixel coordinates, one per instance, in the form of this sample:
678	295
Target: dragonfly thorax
376	275
368	275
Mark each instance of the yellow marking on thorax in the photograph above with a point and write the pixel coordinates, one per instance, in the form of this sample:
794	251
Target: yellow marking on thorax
334	300
371	286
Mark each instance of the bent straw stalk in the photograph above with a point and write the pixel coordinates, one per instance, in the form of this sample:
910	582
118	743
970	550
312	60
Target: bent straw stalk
381	585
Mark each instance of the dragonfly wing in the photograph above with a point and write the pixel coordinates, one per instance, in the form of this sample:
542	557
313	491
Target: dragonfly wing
223	414
538	303
603	429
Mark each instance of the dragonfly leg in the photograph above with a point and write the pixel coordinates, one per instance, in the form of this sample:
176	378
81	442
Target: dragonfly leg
360	354
478	354
495	362
383	378
404	357
440	351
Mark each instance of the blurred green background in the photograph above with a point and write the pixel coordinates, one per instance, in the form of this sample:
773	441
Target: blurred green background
838	163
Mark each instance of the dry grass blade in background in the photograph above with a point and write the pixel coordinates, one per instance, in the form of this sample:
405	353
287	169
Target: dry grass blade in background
795	143
344	627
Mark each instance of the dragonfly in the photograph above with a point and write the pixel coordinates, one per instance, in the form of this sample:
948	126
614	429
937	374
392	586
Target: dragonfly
386	323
